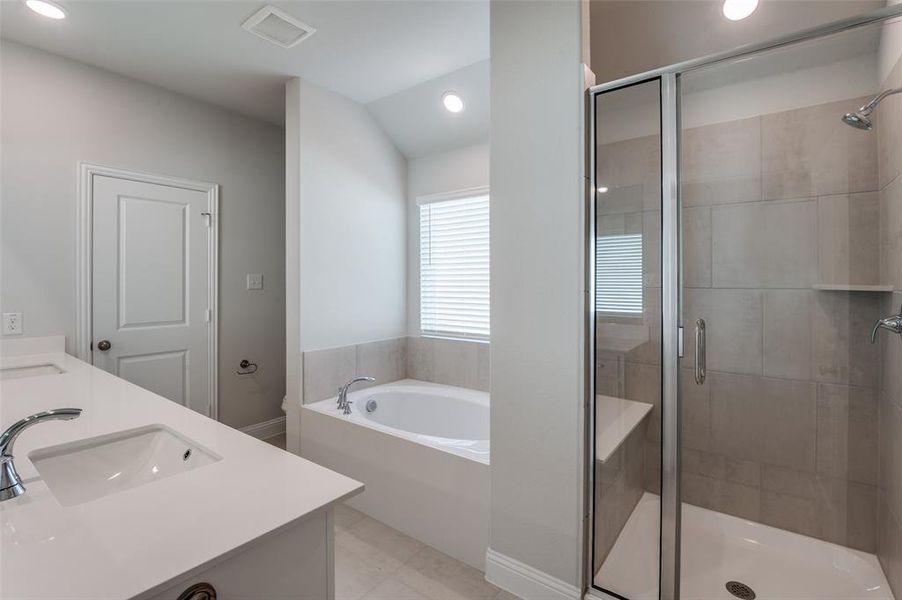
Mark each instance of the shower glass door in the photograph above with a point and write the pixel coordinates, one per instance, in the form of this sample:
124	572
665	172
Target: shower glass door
780	207
745	238
627	323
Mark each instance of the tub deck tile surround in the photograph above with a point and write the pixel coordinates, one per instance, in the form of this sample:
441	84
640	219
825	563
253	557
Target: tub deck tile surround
461	363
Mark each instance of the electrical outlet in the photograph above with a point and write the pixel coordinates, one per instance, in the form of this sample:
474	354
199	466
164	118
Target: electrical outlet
12	323
254	281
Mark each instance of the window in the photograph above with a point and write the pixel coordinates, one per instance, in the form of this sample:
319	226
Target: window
618	274
454	267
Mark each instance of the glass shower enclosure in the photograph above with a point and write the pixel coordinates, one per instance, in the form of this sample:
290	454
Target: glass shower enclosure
745	269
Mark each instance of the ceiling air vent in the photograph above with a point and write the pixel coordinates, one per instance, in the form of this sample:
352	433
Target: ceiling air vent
278	27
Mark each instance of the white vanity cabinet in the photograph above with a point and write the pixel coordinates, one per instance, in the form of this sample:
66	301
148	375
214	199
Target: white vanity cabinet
293	564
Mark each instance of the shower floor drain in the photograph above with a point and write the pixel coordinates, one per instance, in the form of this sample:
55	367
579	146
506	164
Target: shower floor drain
740	590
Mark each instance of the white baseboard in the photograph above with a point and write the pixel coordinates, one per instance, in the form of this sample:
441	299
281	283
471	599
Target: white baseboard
524	581
266	429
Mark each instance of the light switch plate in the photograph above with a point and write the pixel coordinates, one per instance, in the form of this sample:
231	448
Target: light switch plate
12	323
254	281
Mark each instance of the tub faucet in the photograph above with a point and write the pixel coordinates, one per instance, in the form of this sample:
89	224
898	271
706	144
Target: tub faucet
343	404
10	484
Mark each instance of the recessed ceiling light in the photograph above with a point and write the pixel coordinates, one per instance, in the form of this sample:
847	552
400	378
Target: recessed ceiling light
736	10
453	102
46	8
602	189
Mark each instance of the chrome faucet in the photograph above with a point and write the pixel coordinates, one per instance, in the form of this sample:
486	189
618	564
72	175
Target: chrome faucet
10	484
893	323
343	404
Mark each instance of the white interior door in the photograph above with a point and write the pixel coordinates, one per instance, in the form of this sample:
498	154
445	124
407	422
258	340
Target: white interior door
151	287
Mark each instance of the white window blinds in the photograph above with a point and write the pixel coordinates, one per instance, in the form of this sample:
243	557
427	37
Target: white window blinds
454	267
618	274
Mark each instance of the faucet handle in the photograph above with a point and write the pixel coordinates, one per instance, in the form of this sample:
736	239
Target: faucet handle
893	323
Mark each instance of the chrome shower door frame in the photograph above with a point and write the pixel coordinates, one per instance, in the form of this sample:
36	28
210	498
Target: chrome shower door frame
672	296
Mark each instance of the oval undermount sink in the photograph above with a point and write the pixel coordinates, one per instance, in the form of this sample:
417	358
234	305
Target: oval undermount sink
88	469
30	371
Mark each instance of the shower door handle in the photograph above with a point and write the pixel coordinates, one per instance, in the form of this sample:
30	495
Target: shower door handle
701	351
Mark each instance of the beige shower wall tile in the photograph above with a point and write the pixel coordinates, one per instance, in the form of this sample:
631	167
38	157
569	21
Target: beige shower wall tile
326	370
734	325
631	170
888	126
696	413
891	234
385	360
716	466
619	223
651	248
619	484
890	439
787	333
649	352
765	420
765	244
810	152
831	509
889	544
849	239
722	496
696	246
642	383
891	355
847	433
721	163
840	327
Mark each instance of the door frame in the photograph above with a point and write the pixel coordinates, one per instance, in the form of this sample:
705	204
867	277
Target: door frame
84	276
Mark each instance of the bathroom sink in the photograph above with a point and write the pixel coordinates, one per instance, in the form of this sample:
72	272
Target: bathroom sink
29	371
89	469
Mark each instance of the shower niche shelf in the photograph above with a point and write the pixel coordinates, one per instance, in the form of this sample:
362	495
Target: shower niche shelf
851	287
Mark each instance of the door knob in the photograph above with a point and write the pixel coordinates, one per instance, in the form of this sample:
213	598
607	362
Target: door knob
104	345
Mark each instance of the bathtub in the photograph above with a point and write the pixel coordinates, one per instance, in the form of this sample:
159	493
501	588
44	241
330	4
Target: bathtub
422	450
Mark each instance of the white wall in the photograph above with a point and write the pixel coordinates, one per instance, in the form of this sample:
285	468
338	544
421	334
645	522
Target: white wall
55	113
537	287
352	188
346	215
460	169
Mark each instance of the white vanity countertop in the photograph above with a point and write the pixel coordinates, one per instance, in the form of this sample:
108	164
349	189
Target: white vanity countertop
133	542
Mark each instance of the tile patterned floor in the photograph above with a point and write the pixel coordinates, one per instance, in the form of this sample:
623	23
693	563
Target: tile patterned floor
375	562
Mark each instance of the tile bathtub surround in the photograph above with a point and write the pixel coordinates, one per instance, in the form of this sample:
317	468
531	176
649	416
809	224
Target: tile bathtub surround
889	489
785	429
460	363
326	370
450	362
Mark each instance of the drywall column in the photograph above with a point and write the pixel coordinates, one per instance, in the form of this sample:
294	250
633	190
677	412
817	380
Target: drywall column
293	367
537	183
346	219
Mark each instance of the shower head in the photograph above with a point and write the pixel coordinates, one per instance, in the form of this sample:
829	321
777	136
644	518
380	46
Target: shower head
857	120
860	119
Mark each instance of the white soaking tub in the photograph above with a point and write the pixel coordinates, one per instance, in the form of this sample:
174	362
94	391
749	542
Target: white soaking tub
422	450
